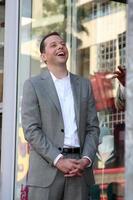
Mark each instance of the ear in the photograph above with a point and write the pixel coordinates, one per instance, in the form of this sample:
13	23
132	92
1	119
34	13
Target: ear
43	57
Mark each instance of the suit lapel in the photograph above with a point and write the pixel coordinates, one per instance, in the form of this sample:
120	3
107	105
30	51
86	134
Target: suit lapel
50	89
75	83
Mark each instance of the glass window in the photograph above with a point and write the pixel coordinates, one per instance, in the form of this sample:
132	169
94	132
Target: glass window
107	56
95	9
95	33
105	37
37	19
122	48
84	63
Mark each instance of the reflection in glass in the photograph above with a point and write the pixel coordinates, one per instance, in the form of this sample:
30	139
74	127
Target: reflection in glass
101	49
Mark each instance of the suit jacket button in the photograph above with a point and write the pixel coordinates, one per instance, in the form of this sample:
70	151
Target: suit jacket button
62	130
60	149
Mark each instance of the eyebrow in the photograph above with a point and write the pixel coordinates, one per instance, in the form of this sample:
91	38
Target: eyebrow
61	41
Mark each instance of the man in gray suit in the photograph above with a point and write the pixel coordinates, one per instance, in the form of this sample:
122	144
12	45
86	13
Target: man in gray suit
61	126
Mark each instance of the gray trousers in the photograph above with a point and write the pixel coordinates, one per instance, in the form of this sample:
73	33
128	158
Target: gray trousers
63	188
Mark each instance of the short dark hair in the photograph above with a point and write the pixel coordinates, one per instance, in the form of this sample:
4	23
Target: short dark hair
42	46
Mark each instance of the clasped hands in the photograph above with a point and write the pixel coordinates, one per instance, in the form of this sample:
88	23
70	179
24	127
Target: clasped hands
72	167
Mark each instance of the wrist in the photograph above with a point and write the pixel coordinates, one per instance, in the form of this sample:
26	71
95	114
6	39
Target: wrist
57	158
59	161
85	161
88	158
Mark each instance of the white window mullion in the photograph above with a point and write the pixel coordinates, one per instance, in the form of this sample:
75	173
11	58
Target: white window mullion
9	99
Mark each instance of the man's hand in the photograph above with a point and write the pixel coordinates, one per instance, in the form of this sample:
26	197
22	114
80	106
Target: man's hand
84	162
79	170
67	165
121	74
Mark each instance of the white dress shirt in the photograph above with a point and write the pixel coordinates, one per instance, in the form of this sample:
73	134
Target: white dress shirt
65	95
64	91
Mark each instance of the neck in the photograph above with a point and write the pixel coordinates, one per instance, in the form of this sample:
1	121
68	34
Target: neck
59	71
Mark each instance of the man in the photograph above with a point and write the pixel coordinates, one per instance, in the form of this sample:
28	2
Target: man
120	74
60	124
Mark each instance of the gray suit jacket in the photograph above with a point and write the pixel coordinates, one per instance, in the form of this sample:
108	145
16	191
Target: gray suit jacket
43	125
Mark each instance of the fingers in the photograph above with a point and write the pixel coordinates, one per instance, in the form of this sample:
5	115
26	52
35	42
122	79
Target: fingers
67	165
111	76
121	68
121	72
70	167
75	172
79	169
72	175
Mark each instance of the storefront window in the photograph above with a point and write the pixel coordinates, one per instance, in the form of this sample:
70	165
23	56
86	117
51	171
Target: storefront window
95	33
101	50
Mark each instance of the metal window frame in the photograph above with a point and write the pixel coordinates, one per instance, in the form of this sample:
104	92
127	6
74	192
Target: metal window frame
121	1
9	99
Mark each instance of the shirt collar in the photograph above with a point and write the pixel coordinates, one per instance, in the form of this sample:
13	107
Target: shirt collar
57	79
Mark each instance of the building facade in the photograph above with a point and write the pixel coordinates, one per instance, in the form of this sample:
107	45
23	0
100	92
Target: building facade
97	34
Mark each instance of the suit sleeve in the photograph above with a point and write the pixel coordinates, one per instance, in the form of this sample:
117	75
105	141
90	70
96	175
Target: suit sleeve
32	125
120	98
92	127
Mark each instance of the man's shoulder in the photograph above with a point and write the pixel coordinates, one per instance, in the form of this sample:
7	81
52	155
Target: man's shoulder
33	79
38	77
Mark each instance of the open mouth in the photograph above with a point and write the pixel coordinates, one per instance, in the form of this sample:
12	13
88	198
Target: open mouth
61	54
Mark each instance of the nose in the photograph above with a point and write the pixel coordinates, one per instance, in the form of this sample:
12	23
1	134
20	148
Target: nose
60	46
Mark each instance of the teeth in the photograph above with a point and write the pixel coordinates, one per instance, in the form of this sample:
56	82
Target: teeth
61	54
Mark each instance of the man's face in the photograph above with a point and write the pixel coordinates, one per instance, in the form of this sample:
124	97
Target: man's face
55	52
